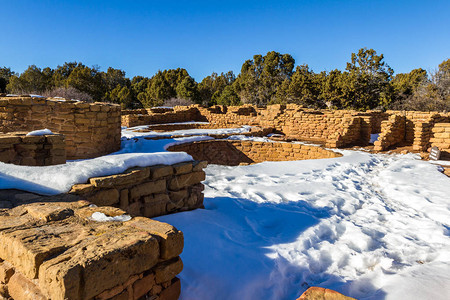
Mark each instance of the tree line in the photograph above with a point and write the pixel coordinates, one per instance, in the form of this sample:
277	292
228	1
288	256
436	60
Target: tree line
367	82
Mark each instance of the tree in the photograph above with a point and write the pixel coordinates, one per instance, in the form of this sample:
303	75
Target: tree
32	80
187	89
303	88
368	80
405	84
88	80
211	87
260	78
228	97
5	75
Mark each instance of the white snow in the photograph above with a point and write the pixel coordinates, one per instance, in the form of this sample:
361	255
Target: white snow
51	180
371	226
40	132
101	217
131	132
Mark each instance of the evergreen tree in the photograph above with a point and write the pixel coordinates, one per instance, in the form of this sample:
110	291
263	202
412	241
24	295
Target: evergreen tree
5	75
187	89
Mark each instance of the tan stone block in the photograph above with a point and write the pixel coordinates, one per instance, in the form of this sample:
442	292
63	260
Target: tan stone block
170	239
185	180
21	288
161	171
147	188
6	271
105	197
81	189
172	292
124	199
131	176
155	205
142	286
182	168
167	270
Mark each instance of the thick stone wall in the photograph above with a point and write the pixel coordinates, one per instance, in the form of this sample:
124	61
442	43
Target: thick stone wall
233	153
146	117
90	129
19	149
57	251
392	132
441	139
149	192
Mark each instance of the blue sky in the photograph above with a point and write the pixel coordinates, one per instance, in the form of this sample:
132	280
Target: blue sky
142	37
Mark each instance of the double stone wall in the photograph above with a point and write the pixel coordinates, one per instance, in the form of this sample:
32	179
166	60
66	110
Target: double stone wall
233	153
56	251
90	129
19	149
149	192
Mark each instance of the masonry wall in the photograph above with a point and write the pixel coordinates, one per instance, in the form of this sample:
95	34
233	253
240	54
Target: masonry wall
149	192
56	251
146	117
392	132
90	129
441	139
232	153
19	149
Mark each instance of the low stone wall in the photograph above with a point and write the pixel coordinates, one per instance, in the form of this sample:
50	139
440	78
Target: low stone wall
90	129
19	149
149	192
179	114
233	153
441	139
57	251
392	132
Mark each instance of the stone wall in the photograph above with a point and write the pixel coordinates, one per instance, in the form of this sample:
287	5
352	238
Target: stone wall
152	116
441	139
57	251
90	129
19	149
392	132
233	153
149	192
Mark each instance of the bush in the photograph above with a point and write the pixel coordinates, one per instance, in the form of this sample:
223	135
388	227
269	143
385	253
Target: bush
68	93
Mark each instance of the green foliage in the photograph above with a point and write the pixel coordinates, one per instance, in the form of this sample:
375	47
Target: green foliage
261	77
187	89
211	87
228	96
32	80
5	75
405	84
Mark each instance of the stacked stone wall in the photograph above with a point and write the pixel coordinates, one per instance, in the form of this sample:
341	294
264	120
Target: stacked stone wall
441	139
149	192
19	149
90	129
182	114
57	250
392	132
232	153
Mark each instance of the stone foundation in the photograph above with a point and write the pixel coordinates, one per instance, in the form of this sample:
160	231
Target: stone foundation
151	191
90	129
393	132
441	139
19	149
56	251
233	153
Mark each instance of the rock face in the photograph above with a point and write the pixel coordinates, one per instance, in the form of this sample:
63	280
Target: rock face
55	250
149	192
318	293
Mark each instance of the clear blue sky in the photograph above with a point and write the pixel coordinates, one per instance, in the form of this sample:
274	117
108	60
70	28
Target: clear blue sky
142	37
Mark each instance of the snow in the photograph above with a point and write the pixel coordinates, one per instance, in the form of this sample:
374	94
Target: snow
101	217
371	226
40	132
51	180
131	132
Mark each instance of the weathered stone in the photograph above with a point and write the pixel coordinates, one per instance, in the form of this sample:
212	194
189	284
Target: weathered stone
147	188
200	165
161	171
168	270
170	239
6	271
155	205
318	293
172	292
185	180
21	288
143	286
105	197
182	168
131	176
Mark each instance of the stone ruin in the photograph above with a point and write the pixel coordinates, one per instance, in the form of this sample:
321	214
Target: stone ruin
52	248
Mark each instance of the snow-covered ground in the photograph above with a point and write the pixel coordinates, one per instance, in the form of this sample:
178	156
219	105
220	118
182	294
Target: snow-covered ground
371	226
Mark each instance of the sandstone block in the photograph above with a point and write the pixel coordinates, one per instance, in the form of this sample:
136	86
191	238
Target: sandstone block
143	286
131	176
147	188
185	180
161	171
6	271
105	197
172	292
318	293
21	288
168	270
